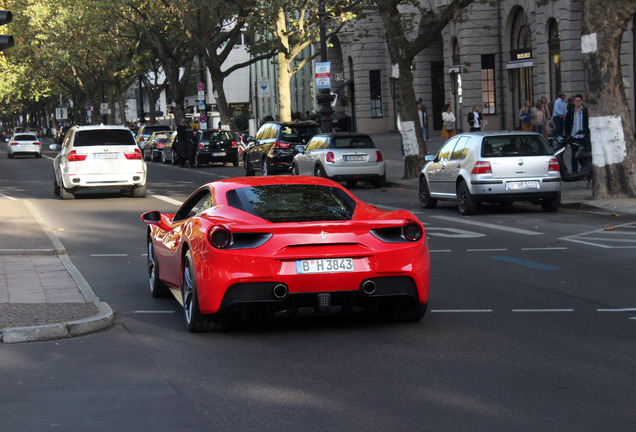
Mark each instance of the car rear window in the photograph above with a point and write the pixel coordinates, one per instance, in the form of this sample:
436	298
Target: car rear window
148	130
293	203
216	135
299	132
515	145
25	137
352	142
103	137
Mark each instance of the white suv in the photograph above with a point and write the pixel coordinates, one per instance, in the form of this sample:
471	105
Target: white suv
104	157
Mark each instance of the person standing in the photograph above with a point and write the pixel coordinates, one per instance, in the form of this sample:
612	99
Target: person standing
577	126
525	115
547	116
193	144
474	119
448	130
182	142
538	122
560	110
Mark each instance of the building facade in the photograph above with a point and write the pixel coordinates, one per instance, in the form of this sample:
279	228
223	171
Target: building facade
501	55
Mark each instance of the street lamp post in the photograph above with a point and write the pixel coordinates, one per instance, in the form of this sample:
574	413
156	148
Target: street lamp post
324	95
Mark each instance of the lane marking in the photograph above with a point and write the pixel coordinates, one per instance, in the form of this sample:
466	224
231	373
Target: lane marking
168	200
486	250
543	248
617	310
526	263
543	310
461	310
487	225
440	250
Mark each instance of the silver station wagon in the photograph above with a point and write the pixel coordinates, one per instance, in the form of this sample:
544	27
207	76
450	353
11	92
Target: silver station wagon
492	167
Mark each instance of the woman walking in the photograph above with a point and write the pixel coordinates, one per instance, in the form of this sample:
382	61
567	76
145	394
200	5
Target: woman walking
448	130
525	115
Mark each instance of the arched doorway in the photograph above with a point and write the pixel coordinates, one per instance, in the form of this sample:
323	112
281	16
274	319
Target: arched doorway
521	63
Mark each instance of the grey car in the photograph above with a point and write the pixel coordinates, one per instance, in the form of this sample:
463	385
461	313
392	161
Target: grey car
492	167
348	157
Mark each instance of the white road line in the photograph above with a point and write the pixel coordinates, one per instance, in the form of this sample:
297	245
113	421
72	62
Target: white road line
544	248
543	310
485	250
440	250
168	200
461	310
617	310
487	225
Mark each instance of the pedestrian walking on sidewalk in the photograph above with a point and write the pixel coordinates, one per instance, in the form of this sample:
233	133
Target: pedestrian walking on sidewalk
448	130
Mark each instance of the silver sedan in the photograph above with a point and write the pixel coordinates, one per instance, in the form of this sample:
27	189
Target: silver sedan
348	157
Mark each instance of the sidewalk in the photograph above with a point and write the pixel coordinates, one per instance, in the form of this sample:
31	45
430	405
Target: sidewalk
43	296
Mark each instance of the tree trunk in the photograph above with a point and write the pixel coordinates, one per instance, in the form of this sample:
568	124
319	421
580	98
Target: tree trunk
284	92
611	132
221	100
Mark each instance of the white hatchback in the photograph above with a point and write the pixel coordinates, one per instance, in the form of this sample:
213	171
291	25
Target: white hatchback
492	167
23	143
98	157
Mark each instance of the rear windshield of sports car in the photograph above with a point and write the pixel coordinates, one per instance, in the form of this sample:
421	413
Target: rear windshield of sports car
293	203
515	145
102	137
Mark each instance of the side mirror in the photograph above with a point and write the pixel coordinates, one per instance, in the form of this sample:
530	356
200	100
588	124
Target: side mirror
54	147
429	158
151	217
300	148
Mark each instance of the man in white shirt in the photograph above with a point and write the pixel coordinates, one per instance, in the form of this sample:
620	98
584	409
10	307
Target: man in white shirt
559	112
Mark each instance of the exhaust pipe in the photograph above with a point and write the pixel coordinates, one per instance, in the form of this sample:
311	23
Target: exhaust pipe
280	291
368	287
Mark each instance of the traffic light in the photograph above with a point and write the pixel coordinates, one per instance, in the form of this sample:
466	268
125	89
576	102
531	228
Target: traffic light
5	41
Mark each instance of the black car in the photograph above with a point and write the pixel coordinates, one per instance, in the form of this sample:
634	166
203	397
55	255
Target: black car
153	149
144	132
216	145
276	143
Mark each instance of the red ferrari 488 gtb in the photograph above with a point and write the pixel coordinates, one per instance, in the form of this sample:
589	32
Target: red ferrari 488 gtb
286	246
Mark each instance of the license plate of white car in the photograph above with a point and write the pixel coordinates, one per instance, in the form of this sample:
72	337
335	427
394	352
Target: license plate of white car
522	185
324	265
105	155
218	154
355	157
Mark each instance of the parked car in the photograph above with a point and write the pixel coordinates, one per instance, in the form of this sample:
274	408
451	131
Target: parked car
492	167
272	149
98	157
25	144
153	149
235	247
144	132
348	157
216	145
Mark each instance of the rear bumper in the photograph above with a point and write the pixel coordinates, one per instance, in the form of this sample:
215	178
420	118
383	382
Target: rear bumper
495	190
104	181
217	155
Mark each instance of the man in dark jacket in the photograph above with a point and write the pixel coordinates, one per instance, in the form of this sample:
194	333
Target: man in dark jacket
577	126
182	142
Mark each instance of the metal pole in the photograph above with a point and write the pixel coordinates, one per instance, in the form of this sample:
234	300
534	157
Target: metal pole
324	95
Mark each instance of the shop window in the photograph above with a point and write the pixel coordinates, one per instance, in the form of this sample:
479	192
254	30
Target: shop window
488	101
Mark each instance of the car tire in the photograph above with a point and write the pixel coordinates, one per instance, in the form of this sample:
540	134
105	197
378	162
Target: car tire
235	161
38	155
552	204
9	155
175	158
195	320
66	194
264	167
465	203
139	191
146	158
56	187
320	172
401	309
197	160
380	182
425	195
163	158
249	171
157	288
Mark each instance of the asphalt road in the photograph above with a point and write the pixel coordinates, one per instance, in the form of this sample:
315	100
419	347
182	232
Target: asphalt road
531	326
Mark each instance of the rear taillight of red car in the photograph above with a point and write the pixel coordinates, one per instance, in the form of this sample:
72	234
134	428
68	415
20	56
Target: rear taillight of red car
74	157
482	167
136	155
219	237
554	165
412	231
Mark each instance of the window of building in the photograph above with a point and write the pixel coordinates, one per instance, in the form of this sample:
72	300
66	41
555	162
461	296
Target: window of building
488	104
375	88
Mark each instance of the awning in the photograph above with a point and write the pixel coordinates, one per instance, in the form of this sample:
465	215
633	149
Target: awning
520	64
